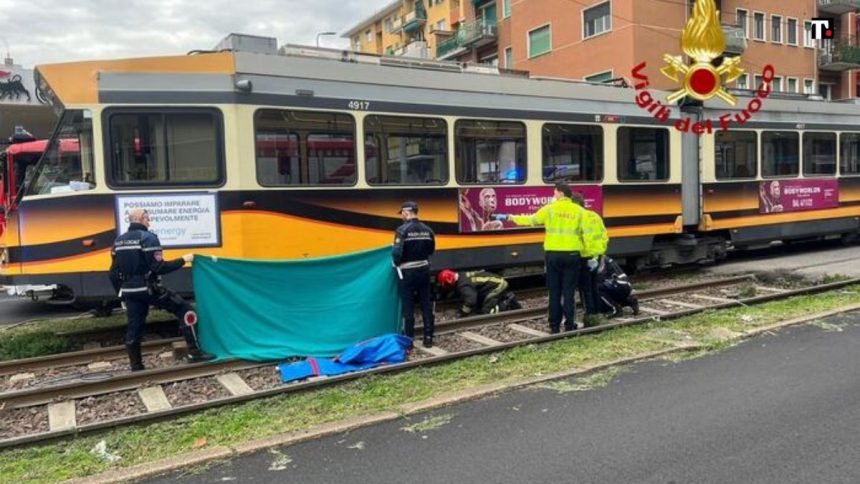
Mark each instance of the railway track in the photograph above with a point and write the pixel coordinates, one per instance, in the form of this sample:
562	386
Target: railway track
53	410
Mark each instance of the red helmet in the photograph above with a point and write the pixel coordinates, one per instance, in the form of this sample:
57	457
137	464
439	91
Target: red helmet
446	277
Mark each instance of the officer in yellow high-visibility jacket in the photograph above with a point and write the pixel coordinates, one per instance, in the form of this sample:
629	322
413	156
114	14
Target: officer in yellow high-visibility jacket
595	239
562	220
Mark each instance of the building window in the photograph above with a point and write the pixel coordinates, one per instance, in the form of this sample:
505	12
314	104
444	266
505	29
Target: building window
743	22
809	86
490	60
490	152
166	148
405	151
791	28
389	25
825	91
368	36
643	154
440	25
808	41
850	150
540	41
736	154
777	84
792	84
819	153
299	148
602	77
572	152
757	80
596	20
67	164
780	153
743	81
506	8
758	26
776	28
509	58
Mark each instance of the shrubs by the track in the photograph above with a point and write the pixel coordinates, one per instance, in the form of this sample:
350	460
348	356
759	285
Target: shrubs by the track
31	345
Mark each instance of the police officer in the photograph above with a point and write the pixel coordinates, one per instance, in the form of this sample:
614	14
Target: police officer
414	243
136	268
595	239
562	220
482	292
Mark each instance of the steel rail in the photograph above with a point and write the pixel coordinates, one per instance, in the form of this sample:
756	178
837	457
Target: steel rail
311	385
115	352
41	395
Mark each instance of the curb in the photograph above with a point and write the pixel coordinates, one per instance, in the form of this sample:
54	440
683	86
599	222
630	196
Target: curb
142	471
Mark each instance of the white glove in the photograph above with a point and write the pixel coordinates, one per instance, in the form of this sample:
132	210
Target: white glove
592	263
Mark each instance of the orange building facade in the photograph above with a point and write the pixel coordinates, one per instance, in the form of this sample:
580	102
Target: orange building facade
601	41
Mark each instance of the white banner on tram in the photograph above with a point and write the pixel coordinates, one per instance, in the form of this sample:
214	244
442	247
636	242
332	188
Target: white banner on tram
179	219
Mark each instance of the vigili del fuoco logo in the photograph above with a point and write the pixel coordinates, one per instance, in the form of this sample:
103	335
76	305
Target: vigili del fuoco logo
703	41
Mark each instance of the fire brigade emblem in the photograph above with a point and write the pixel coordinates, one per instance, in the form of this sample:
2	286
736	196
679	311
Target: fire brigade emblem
702	40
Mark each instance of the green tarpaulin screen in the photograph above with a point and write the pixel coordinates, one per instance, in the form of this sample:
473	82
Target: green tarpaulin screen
271	310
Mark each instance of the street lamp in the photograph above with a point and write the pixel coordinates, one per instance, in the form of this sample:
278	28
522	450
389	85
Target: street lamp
323	33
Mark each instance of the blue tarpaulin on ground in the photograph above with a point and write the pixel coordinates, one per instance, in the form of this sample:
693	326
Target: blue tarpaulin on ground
271	310
384	350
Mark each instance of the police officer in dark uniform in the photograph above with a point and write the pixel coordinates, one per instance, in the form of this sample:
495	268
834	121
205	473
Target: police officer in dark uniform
136	268
414	243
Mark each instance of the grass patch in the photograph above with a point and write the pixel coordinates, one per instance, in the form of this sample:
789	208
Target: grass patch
30	345
429	423
258	419
53	336
590	382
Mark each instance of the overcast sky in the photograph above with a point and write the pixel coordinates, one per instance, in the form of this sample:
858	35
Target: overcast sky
45	31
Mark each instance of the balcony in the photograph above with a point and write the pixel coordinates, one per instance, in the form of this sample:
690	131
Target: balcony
470	35
736	41
837	7
478	33
839	57
414	20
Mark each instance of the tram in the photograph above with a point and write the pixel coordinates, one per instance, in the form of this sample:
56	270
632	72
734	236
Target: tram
267	153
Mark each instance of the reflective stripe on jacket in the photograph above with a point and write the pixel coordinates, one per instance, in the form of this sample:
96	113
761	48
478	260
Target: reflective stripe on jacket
594	236
562	220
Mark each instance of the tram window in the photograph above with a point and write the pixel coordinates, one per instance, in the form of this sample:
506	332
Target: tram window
67	164
406	151
850	147
736	154
169	148
572	152
490	152
643	154
780	153
304	148
819	153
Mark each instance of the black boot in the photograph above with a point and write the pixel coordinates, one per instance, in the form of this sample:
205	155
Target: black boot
134	356
428	341
634	305
195	354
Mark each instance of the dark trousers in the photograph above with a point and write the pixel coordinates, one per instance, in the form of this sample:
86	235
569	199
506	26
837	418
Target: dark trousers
416	282
562	272
137	308
588	288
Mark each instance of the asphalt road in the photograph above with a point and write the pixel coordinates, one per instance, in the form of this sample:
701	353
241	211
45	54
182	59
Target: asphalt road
780	408
17	309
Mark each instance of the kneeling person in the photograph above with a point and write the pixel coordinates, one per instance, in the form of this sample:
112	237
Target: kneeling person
482	292
613	289
136	268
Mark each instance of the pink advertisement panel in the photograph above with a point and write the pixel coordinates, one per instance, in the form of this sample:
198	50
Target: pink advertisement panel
479	204
780	196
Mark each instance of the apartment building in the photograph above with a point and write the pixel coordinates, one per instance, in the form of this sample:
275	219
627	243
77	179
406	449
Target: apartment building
601	40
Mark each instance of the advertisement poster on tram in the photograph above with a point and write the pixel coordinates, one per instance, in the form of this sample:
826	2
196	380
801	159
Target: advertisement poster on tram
478	205
780	196
179	219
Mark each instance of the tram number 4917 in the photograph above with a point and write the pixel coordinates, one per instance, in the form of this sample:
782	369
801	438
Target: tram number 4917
359	105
